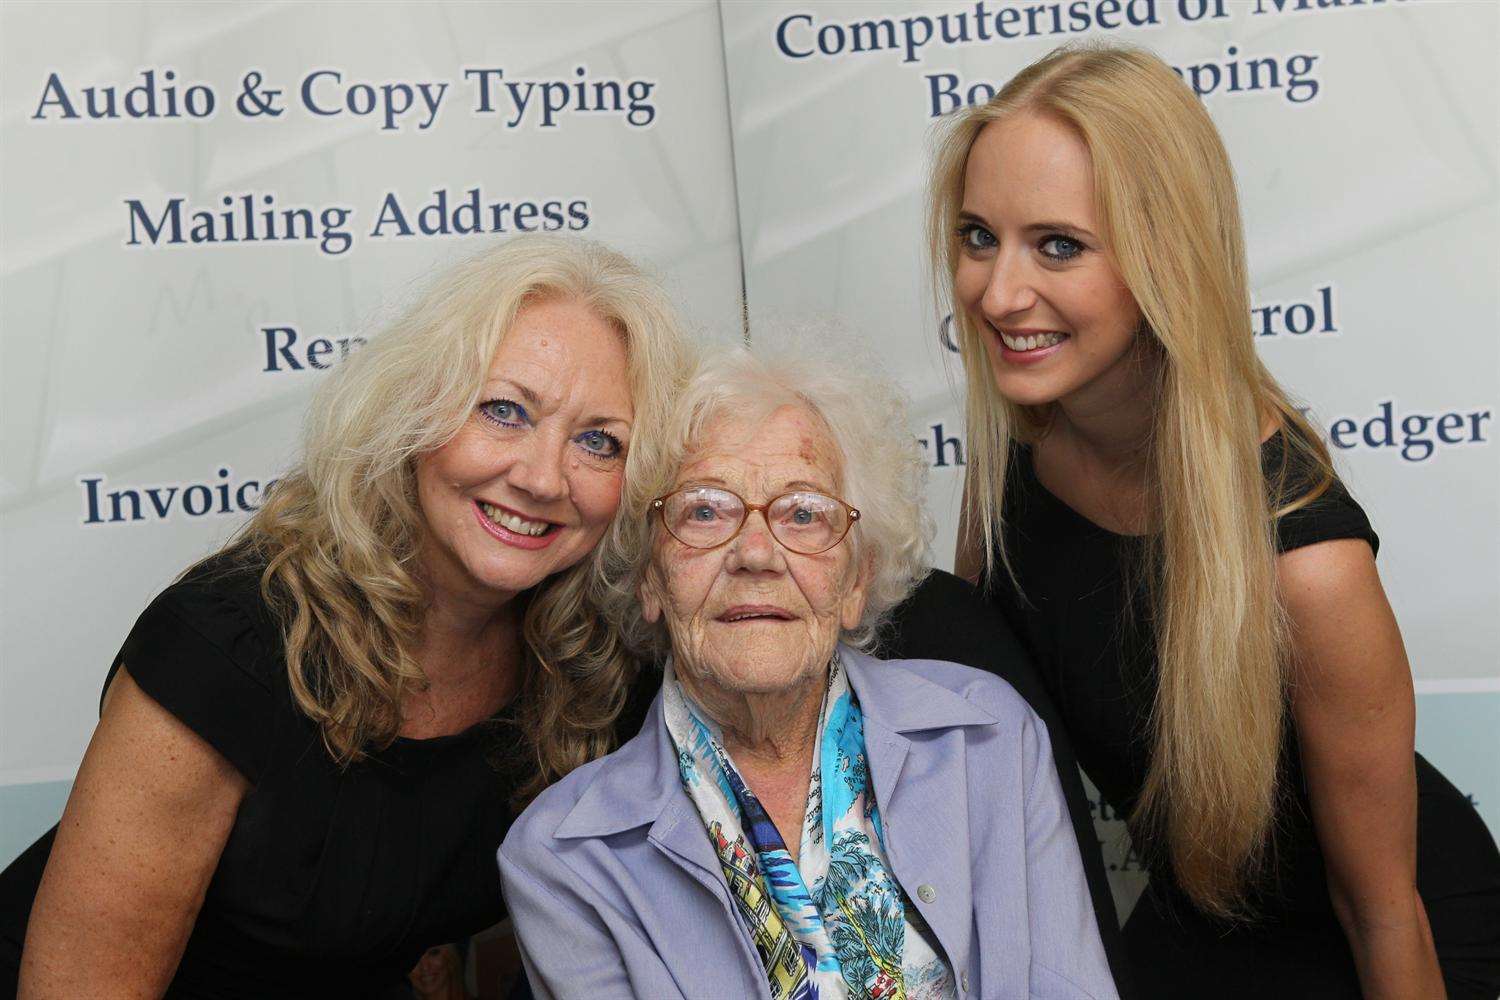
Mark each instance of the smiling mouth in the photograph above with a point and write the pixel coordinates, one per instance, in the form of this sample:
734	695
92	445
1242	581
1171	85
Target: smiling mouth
1024	342
749	613
511	521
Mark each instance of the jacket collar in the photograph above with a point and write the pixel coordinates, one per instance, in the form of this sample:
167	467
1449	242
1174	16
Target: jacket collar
633	786
904	701
639	784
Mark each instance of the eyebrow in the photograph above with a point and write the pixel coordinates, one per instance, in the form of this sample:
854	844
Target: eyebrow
793	486
804	486
1066	227
1035	227
601	419
526	393
530	397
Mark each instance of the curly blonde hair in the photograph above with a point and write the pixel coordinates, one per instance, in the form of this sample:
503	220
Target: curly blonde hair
340	534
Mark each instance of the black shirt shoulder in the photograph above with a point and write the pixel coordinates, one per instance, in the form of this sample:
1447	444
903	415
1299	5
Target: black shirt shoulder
1330	513
208	650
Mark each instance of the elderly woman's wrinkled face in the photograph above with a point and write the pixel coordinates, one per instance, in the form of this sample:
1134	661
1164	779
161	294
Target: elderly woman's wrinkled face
752	616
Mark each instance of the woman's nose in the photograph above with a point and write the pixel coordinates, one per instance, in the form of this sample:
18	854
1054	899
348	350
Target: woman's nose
1009	291
538	468
753	548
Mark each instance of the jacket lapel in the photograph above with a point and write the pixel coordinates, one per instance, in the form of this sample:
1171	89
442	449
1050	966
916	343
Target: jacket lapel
640	786
921	787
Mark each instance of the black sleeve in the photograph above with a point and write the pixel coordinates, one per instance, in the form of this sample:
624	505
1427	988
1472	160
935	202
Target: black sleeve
947	619
1291	474
198	652
1332	515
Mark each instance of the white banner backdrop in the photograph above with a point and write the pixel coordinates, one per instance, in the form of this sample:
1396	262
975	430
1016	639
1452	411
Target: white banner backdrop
206	206
1365	141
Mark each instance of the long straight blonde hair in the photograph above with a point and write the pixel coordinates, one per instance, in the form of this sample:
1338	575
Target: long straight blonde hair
1166	199
340	534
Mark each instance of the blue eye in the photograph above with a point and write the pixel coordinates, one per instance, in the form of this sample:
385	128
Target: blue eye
506	412
975	237
1063	247
601	443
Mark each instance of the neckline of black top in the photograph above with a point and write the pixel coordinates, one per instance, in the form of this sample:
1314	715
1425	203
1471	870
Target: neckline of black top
504	715
1022	455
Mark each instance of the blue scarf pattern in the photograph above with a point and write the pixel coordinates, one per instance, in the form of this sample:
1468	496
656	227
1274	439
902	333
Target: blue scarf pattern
834	923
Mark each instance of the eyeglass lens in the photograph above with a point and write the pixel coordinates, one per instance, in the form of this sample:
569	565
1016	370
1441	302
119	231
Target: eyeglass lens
704	517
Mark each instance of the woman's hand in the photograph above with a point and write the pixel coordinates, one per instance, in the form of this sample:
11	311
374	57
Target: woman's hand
148	817
1355	712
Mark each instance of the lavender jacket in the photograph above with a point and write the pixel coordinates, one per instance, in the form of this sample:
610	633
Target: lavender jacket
615	890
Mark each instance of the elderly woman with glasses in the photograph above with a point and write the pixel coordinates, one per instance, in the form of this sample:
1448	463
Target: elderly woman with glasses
798	819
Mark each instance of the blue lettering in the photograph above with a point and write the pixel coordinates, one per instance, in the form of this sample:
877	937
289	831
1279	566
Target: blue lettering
1450	422
578	212
942	87
1410	435
307	91
781	39
194	500
91	499
1383	420
161	499
486	106
317	350
1299	318
943	93
239	495
1413	438
187	500
831	48
171	214
116	499
941	444
59	97
284	349
911	43
390	213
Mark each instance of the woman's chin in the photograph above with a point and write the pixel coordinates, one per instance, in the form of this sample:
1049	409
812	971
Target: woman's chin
761	671
1028	388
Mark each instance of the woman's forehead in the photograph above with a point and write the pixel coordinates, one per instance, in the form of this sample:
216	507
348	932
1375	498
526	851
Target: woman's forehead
1029	165
790	446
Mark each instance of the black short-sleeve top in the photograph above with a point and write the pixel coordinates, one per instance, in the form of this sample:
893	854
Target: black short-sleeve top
334	880
1084	618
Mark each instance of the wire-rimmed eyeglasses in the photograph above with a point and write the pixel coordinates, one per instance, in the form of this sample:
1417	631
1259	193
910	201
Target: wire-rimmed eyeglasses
706	517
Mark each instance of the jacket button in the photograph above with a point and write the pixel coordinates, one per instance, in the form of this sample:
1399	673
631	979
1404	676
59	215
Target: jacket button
926	893
963	981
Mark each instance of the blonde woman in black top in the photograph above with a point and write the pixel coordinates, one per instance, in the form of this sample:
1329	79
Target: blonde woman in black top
313	743
1164	531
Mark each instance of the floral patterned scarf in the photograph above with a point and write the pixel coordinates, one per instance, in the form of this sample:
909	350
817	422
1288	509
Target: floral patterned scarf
834	923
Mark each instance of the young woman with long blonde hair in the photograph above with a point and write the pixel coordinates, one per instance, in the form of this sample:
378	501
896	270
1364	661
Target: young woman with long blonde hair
1164	529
